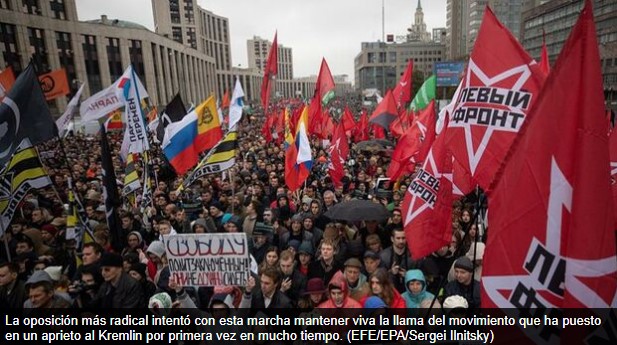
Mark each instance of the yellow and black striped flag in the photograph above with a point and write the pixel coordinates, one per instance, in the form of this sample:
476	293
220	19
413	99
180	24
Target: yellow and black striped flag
23	172
131	178
220	158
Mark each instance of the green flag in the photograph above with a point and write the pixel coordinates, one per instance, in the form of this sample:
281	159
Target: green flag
425	95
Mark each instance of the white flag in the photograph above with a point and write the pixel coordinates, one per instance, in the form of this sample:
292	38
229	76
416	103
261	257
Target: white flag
109	99
135	122
65	119
236	105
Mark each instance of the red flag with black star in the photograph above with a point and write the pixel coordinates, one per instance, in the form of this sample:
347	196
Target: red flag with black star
427	205
552	209
500	86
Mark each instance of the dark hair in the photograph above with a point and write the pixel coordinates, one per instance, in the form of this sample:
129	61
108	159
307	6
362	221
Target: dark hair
13	267
272	273
97	247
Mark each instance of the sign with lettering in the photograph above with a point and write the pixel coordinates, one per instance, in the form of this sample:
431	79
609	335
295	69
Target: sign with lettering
208	259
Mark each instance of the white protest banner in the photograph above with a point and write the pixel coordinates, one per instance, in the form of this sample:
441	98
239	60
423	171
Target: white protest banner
208	259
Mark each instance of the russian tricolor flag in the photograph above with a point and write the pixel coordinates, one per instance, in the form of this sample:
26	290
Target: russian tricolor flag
179	143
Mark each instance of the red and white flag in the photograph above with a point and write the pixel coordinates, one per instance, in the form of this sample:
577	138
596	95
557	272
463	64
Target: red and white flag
427	205
552	240
501	84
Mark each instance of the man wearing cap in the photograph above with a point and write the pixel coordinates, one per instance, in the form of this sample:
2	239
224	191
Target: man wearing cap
355	279
464	285
261	241
119	290
41	292
372	261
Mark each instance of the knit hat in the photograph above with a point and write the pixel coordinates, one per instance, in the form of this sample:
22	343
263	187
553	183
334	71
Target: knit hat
52	230
353	262
139	268
464	263
236	221
295	244
226	218
262	229
306	248
371	254
374	302
201	222
38	277
306	200
217	205
161	302
136	233
111	260
157	248
55	272
314	285
297	218
455	301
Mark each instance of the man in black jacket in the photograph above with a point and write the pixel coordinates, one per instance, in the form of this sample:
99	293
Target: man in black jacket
12	290
269	296
119	290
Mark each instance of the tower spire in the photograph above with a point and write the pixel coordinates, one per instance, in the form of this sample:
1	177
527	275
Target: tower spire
419	5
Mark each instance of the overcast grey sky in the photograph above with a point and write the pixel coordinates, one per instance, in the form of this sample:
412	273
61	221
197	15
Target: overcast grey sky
314	29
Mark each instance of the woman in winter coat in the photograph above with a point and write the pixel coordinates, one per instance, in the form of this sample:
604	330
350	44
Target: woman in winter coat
416	295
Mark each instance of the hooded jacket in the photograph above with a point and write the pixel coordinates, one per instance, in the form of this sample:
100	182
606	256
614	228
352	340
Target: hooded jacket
338	280
416	300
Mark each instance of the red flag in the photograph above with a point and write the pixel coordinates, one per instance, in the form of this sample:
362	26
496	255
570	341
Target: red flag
315	116
225	101
362	131
291	175
325	84
402	91
501	84
545	65
339	151
551	210
269	73
385	112
378	132
7	79
427	205
413	147
613	165
266	130
348	121
328	126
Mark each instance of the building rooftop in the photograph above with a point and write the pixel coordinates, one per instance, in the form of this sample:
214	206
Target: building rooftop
117	22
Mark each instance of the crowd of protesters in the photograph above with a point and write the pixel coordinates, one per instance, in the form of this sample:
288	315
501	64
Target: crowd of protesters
302	259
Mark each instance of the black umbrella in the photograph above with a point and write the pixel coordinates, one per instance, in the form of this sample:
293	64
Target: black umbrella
356	210
374	145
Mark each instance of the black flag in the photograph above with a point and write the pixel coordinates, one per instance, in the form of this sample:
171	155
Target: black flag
173	112
110	192
24	114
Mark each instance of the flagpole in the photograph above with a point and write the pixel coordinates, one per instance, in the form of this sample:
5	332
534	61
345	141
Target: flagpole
6	241
233	193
